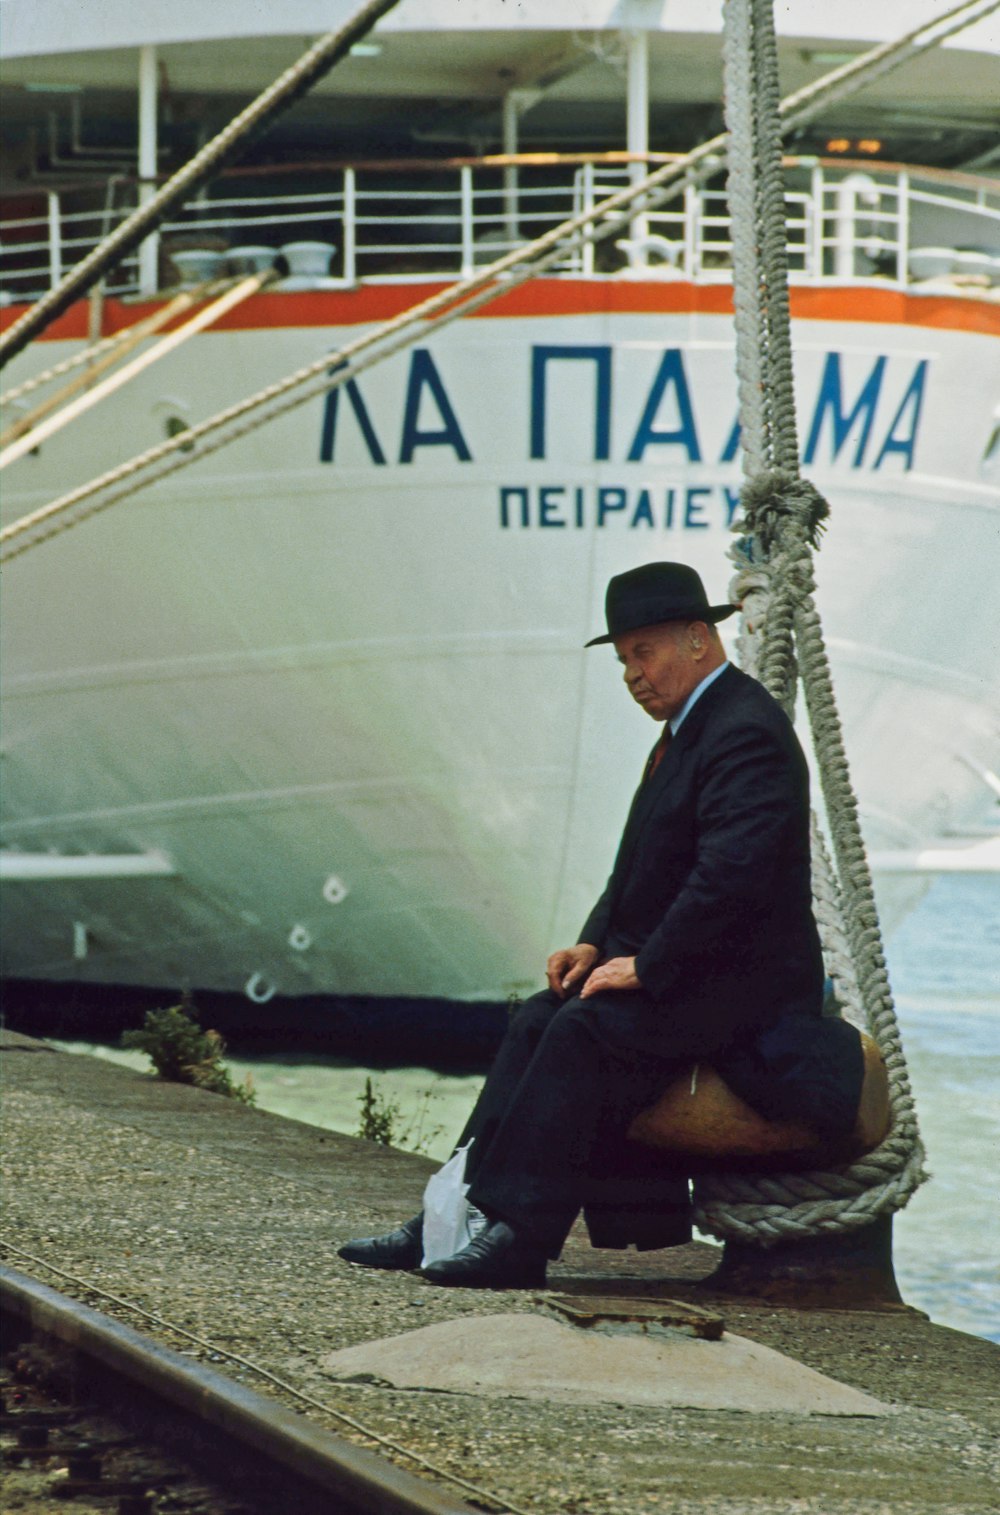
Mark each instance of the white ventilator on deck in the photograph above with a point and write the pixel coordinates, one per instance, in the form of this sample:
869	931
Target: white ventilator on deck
781	640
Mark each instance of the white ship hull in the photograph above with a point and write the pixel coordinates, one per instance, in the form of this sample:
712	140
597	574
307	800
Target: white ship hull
335	677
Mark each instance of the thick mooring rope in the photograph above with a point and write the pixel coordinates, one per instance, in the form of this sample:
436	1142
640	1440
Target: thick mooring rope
781	642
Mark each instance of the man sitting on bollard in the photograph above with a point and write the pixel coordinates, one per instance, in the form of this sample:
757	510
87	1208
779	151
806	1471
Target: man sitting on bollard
702	948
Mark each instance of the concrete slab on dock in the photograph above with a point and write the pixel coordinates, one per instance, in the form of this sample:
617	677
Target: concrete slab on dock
224	1221
510	1356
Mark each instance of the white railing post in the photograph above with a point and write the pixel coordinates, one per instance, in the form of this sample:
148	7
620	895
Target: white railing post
637	133
511	105
846	202
817	189
588	205
350	227
55	239
857	197
149	249
467	215
903	229
692	218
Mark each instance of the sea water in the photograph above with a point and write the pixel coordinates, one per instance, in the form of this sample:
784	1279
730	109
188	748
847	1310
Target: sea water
944	962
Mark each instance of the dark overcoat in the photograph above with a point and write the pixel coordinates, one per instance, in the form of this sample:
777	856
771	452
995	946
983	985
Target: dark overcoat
711	888
711	894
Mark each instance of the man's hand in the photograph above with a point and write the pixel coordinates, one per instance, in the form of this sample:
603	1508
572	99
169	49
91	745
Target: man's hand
616	973
568	967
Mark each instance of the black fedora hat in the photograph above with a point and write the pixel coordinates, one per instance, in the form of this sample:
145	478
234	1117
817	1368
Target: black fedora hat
653	593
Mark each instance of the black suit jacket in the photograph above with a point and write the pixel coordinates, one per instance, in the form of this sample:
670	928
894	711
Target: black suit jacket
711	887
711	892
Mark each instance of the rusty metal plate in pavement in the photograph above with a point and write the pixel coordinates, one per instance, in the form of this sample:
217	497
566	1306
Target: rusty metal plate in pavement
595	1309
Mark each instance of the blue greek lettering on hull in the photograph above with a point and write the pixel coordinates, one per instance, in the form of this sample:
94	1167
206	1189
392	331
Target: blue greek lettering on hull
866	414
646	507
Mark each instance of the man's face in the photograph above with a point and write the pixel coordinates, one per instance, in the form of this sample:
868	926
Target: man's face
662	664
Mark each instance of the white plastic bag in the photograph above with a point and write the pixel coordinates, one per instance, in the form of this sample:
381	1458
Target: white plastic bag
450	1222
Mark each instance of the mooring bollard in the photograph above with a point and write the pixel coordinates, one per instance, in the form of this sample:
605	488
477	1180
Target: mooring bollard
843	1270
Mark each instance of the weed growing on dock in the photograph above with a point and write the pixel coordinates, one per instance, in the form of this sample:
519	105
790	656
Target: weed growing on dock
185	1054
382	1121
378	1116
417	1135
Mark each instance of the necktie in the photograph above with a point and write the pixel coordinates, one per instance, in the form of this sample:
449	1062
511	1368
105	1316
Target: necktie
656	756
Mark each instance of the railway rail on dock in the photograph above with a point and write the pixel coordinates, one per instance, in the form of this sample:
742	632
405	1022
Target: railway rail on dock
273	1458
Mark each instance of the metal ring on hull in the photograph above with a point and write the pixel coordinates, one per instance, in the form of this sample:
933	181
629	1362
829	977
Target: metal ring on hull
259	989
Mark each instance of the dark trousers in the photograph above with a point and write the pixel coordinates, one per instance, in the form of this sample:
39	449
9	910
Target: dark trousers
548	1129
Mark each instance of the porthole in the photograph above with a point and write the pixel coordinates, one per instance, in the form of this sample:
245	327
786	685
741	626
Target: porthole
174	426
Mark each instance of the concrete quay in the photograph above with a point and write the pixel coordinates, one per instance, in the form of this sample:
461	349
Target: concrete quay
223	1221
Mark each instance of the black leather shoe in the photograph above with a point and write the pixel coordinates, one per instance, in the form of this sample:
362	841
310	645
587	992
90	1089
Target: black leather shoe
402	1248
497	1259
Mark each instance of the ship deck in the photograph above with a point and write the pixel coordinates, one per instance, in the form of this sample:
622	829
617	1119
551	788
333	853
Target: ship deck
224	1220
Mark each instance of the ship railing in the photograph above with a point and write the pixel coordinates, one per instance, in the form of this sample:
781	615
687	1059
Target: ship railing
36	250
846	222
853	221
906	227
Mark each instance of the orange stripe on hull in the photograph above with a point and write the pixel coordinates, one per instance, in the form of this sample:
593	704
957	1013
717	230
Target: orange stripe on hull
555	297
